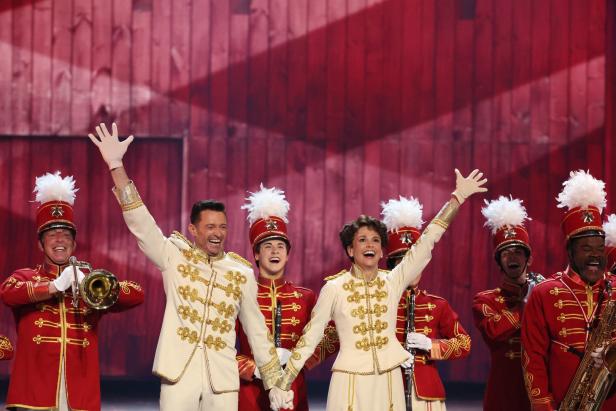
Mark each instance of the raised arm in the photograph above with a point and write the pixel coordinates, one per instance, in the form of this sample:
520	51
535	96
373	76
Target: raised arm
408	272
138	219
113	150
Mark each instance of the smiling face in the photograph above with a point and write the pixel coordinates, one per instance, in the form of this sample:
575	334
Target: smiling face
272	256
587	257
210	231
514	262
366	249
58	245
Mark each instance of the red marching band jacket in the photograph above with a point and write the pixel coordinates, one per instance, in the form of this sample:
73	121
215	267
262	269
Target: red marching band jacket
296	305
435	318
497	314
50	330
555	327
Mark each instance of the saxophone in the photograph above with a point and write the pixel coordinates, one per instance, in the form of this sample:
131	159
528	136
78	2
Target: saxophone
590	385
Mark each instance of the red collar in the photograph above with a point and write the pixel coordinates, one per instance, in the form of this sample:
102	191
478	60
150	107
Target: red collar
576	279
269	283
53	270
514	288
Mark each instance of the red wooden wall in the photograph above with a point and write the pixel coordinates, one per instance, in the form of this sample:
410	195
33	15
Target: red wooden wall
342	103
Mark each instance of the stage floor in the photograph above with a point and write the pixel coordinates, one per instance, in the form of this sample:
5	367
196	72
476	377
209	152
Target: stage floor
315	405
123	395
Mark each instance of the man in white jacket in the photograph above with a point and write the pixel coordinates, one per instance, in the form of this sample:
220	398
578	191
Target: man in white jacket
206	290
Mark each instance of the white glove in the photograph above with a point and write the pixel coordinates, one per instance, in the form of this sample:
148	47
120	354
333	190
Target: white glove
419	341
467	186
111	148
280	399
65	279
597	356
408	363
283	355
257	374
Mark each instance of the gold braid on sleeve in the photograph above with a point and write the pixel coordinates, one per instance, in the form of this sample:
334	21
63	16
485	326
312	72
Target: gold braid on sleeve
270	373
128	197
447	214
290	373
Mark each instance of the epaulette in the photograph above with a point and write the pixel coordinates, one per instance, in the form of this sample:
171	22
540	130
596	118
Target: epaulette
303	288
333	277
486	292
436	296
182	238
239	258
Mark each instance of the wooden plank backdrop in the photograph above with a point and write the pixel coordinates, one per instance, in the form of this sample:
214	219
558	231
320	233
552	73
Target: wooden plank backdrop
343	104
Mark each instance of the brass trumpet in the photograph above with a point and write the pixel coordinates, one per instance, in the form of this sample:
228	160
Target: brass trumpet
99	289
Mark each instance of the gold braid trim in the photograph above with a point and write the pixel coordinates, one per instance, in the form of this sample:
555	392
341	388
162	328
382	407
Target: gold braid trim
128	197
270	372
239	258
290	373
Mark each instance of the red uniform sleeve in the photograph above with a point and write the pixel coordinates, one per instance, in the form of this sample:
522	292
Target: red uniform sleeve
495	323
535	345
456	343
20	289
329	345
131	294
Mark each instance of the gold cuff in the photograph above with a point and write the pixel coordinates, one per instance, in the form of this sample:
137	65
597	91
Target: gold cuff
447	214
128	197
270	373
290	373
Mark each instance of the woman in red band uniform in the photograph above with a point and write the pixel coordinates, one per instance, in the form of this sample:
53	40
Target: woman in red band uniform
56	362
437	334
498	312
285	306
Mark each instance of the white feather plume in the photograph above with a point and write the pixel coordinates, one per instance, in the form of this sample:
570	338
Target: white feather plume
52	187
504	211
582	190
610	230
267	202
405	212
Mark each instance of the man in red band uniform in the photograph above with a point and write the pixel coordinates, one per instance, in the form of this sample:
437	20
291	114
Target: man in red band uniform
56	363
498	312
438	334
561	312
285	306
610	242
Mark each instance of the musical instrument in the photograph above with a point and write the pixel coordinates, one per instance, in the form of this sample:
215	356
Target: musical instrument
99	289
409	327
277	324
590	385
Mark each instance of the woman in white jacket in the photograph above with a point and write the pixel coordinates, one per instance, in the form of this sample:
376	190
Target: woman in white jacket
362	302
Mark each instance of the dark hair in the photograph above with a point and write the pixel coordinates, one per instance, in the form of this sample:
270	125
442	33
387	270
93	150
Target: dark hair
348	231
394	259
497	255
284	240
199	206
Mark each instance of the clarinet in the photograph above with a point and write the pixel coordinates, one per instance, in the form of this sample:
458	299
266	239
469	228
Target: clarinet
277	324
408	372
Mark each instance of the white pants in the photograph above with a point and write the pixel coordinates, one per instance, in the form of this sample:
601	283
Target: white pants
424	405
193	391
375	392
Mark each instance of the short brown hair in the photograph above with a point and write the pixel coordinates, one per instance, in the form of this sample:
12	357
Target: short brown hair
348	231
